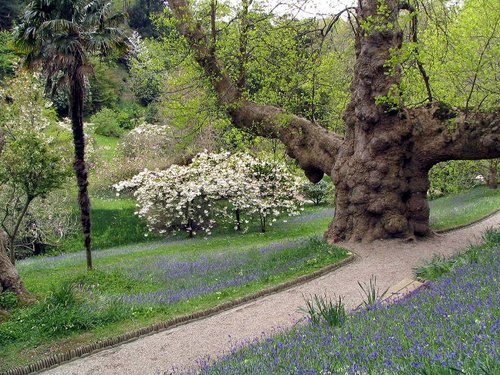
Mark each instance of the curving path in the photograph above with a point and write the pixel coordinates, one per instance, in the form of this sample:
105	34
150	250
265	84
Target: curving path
181	347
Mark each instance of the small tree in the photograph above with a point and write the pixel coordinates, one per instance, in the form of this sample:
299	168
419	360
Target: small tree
317	193
32	163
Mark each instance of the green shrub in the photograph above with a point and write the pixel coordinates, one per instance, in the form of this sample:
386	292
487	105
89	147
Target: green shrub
106	123
130	115
321	308
317	193
8	55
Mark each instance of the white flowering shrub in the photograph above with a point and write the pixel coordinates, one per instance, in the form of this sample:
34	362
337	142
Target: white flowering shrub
277	191
153	139
212	189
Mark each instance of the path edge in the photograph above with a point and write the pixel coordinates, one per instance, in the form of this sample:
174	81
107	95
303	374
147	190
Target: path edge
98	346
464	226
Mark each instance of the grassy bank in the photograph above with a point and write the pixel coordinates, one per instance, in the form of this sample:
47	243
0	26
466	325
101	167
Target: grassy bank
464	208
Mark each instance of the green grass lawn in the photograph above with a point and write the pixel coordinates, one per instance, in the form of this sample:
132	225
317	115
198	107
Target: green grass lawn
106	147
465	208
114	222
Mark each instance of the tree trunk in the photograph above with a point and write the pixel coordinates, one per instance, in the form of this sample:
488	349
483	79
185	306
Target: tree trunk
9	277
381	189
77	99
238	219
493	174
190	228
12	239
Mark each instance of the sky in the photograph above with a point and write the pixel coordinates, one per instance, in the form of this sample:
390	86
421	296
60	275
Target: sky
306	8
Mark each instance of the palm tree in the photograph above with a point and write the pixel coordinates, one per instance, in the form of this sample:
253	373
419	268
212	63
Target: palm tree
59	36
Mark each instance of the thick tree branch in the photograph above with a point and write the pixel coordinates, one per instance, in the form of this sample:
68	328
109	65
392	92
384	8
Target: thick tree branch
441	135
314	147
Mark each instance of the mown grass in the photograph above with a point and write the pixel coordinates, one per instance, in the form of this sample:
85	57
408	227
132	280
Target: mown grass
464	208
451	327
105	147
113	224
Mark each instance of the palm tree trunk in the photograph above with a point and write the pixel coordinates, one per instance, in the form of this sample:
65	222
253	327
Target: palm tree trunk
76	101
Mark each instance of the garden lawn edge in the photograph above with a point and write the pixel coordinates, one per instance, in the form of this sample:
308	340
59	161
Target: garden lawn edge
86	350
463	226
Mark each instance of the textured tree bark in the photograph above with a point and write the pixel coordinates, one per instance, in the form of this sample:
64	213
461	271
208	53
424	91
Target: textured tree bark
380	168
77	99
9	277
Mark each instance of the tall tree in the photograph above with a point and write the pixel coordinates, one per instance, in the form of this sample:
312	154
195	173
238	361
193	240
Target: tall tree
380	166
59	35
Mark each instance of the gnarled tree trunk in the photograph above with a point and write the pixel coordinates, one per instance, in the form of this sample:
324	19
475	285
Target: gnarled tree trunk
381	172
380	168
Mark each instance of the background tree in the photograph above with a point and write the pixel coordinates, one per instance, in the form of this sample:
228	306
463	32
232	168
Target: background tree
140	16
59	36
33	161
380	166
9	277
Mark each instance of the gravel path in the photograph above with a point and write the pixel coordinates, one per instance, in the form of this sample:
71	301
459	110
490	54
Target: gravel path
181	347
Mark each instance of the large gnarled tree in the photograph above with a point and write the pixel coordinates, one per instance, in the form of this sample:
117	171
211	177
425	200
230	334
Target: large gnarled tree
380	166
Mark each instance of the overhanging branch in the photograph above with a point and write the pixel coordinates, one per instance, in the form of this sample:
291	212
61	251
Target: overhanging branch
440	135
314	147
